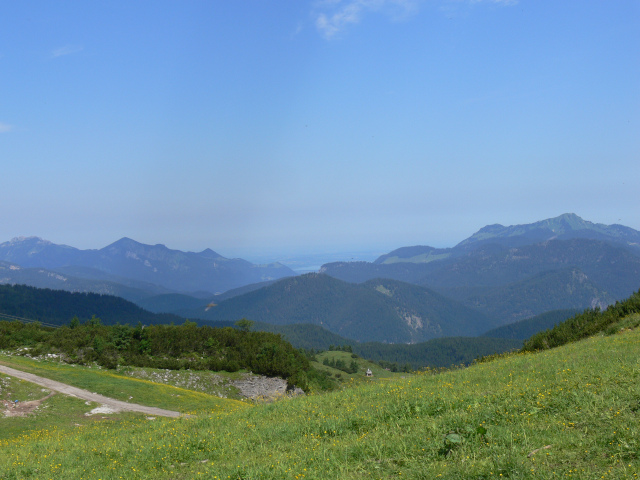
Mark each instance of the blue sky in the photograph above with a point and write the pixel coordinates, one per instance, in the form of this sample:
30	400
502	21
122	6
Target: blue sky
256	127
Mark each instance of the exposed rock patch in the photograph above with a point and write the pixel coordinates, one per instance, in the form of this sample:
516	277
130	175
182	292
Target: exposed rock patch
102	409
258	387
248	385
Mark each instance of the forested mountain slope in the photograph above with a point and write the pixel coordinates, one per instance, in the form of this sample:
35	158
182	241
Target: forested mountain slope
380	310
59	307
528	327
506	282
82	282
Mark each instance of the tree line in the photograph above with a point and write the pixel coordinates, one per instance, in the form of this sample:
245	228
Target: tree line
590	322
436	353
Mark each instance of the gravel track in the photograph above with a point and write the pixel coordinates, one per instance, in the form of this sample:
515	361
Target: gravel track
114	404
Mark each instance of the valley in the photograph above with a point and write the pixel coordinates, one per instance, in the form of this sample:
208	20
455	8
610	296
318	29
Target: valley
314	376
412	295
320	240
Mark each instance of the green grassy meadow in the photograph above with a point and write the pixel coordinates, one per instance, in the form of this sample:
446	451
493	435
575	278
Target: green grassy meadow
570	412
378	372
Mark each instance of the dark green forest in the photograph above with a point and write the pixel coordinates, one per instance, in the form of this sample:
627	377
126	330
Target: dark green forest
563	289
59	307
304	335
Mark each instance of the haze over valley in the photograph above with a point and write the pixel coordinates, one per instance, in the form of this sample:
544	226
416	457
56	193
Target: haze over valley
321	239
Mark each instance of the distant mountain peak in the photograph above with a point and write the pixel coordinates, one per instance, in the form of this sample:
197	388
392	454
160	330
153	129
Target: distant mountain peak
36	240
570	216
415	254
565	222
124	241
208	253
567	225
31	245
134	247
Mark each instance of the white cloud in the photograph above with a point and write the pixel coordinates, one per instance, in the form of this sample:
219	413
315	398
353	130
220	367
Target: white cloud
334	16
66	50
4	128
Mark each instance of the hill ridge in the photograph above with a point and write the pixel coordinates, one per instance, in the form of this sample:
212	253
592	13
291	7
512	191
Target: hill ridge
405	313
173	270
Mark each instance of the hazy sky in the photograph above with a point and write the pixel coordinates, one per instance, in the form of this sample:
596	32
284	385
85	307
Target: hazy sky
268	126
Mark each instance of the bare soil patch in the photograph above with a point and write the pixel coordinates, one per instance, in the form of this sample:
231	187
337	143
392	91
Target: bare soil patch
22	409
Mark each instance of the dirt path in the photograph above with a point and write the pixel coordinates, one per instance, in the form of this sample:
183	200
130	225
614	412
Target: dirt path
113	404
22	409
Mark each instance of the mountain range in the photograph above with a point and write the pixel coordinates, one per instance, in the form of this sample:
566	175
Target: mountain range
497	276
147	269
564	227
512	273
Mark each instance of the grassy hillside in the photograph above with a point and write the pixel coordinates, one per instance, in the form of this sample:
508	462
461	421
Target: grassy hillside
348	367
569	412
119	386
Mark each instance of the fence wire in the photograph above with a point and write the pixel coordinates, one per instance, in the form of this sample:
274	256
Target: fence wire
6	316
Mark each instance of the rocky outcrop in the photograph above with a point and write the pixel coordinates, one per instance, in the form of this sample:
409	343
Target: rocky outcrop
258	387
244	385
